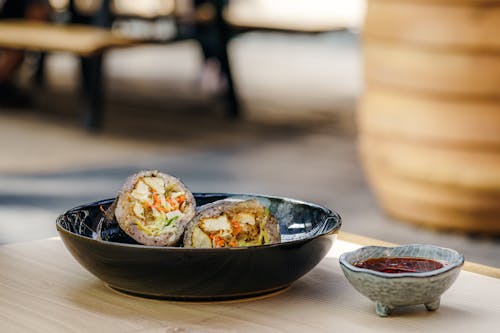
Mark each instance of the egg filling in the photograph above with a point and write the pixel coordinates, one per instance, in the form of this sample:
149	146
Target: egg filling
157	205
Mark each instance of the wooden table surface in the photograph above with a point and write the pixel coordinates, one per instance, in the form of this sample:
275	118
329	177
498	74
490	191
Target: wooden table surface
45	36
43	289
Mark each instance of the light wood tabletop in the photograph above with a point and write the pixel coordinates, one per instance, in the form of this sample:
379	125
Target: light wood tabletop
43	289
44	36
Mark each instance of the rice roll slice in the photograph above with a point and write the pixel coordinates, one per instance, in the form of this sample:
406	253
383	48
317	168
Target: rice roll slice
229	223
154	208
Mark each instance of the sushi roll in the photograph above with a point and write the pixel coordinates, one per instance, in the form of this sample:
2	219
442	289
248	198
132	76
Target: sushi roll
154	208
228	223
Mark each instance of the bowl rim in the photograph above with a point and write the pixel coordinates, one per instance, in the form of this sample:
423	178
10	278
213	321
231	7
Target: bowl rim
446	268
331	215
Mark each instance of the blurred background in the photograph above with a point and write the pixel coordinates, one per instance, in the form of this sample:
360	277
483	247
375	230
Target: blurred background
381	109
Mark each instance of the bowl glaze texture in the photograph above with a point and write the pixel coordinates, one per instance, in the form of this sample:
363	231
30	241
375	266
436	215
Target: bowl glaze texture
391	290
307	231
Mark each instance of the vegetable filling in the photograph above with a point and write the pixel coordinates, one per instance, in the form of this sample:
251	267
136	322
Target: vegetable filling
231	230
157	205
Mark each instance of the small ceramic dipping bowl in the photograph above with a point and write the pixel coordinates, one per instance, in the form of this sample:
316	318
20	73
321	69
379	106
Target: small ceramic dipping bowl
419	281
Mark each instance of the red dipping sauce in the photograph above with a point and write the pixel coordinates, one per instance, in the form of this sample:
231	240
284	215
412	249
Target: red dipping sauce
400	265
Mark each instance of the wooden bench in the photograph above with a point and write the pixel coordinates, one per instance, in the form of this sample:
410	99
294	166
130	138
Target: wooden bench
87	42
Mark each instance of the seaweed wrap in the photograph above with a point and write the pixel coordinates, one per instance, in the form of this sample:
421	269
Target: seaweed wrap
229	223
154	208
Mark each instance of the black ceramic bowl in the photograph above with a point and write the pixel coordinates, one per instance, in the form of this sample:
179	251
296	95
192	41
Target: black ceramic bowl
307	230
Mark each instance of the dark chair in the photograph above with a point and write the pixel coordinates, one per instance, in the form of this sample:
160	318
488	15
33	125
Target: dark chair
192	27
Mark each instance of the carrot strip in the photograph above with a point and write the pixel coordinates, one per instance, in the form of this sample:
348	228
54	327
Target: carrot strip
172	203
181	199
157	203
236	228
156	199
218	241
